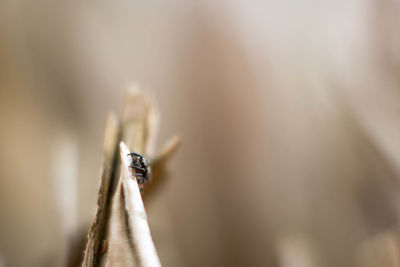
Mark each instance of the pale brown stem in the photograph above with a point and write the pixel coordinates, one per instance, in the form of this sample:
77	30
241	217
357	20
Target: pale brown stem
138	227
96	231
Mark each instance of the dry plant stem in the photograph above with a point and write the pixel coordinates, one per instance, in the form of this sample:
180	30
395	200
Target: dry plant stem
138	227
169	149
119	251
121	221
139	128
140	119
96	231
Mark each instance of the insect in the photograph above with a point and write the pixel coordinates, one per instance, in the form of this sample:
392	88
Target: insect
139	164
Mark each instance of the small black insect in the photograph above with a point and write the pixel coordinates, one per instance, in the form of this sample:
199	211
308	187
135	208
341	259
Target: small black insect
139	163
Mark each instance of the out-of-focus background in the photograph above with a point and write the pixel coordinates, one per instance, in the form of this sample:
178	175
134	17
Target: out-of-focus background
289	112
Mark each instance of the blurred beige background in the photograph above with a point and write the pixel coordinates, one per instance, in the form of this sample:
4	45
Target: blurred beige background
289	112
